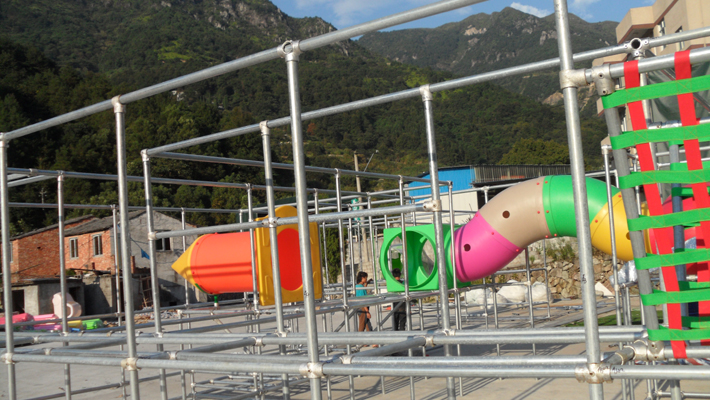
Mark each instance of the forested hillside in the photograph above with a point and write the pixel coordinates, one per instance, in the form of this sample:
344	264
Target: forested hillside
58	56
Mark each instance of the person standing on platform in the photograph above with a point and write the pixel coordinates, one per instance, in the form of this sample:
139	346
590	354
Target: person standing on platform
364	312
399	319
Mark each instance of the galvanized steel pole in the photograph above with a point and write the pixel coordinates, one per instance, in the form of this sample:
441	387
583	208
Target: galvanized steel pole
579	187
7	271
428	98
154	282
63	277
304	235
274	240
119	110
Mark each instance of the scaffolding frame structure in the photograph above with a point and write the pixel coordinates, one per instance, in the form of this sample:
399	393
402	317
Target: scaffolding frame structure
292	355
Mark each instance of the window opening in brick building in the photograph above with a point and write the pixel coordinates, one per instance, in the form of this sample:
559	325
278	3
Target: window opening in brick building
162	244
74	248
96	243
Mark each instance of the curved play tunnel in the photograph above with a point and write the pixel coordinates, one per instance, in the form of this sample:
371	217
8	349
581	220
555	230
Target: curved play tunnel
517	217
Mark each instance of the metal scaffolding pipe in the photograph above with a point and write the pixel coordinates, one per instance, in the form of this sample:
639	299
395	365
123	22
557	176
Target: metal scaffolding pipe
579	188
291	220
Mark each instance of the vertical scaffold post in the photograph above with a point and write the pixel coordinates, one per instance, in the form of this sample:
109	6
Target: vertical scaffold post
579	188
346	309
428	98
119	110
614	266
154	282
273	239
119	307
63	276
291	52
405	275
6	271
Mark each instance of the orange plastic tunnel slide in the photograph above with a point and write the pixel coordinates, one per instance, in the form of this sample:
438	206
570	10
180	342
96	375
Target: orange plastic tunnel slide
221	263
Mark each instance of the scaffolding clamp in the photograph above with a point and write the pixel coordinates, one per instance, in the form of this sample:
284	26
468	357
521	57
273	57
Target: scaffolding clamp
601	76
264	128
637	47
646	350
429	340
151	236
258	341
272	222
290	50
129	364
312	370
144	155
425	91
346	359
573	78
432	205
595	373
118	107
7	358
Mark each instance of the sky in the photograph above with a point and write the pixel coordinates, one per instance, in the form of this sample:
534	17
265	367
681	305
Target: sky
344	13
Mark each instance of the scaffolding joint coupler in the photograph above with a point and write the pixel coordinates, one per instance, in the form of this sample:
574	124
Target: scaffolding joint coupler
312	370
118	107
429	340
573	78
272	222
7	358
264	128
425	91
595	373
637	47
432	205
646	350
601	76
129	364
258	341
290	50
144	155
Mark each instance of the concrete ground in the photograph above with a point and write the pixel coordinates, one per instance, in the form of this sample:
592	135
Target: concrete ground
36	380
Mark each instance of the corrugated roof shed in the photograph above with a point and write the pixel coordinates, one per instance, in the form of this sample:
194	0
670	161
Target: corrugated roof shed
54	226
98	225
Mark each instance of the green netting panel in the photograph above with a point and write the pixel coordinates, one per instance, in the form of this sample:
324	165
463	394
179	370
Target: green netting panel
665	89
633	138
668	260
676	334
664	221
684	191
651	177
696	322
659	297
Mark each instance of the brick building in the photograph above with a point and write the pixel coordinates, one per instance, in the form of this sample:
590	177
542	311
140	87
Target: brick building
36	254
89	247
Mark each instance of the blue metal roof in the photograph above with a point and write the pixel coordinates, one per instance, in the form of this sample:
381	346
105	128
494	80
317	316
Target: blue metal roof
462	177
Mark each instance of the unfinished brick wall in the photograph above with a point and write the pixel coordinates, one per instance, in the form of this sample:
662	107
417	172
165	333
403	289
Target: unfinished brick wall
37	255
86	259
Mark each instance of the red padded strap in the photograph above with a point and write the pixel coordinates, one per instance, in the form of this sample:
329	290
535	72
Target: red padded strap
686	106
664	236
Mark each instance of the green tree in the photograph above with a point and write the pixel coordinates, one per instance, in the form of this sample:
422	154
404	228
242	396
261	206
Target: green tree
536	151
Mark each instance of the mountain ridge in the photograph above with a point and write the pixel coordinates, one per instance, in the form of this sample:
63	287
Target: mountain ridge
486	42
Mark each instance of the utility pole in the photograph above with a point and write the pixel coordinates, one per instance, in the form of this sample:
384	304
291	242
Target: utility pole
357	177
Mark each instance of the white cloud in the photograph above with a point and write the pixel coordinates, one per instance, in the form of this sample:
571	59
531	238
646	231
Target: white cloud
531	10
579	7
